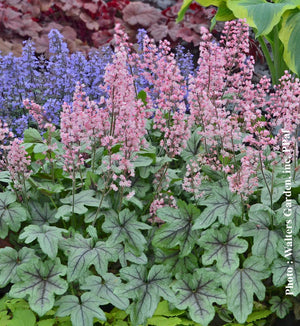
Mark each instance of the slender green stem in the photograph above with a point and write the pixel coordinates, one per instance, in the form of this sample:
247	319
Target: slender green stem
98	209
157	188
264	177
73	219
53	203
24	192
162	177
72	289
243	210
268	58
49	154
93	157
121	198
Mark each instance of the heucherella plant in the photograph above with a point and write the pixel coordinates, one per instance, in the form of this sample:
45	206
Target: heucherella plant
276	22
136	202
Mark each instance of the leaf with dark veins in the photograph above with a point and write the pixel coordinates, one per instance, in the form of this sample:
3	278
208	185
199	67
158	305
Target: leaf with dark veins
223	246
197	292
172	261
259	227
104	288
294	216
222	204
290	250
83	312
11	213
145	288
192	146
279	271
41	214
11	260
242	284
281	306
125	228
47	237
177	231
125	256
82	253
40	280
81	200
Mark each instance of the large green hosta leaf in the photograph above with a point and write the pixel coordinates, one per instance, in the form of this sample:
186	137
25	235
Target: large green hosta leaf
260	228
145	288
223	14
11	260
242	284
82	253
261	14
289	36
40	280
223	246
11	213
125	228
186	4
291	251
83	312
104	288
267	17
197	292
177	231
47	236
222	204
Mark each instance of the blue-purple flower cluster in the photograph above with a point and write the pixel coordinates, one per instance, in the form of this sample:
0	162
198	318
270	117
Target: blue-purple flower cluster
51	82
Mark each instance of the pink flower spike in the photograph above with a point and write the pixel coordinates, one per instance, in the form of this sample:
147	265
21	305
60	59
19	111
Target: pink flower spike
18	163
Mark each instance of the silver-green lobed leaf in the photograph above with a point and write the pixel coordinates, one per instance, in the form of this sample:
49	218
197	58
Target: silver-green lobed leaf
125	228
104	287
47	237
178	229
223	246
145	288
40	280
11	260
222	204
83	312
242	284
197	292
11	213
260	228
82	253
281	306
